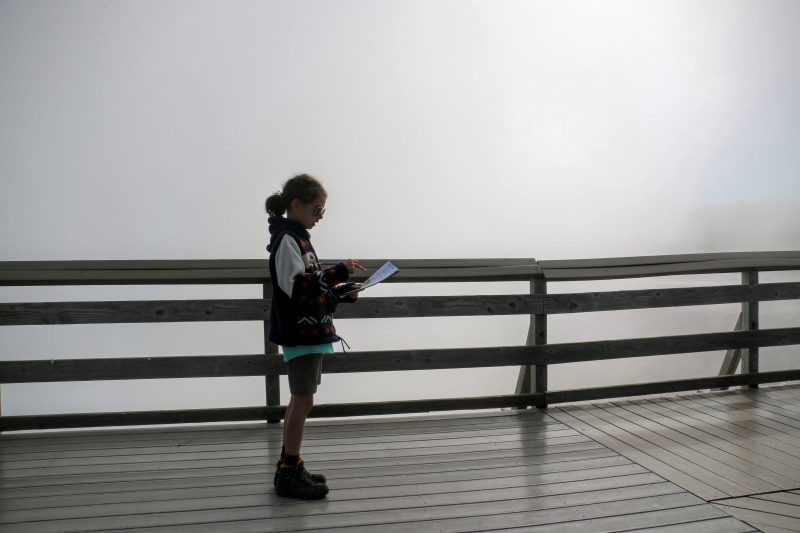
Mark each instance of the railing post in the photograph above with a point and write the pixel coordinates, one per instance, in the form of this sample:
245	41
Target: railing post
533	378
273	384
750	323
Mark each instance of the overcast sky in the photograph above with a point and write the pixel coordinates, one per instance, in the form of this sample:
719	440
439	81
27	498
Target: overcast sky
146	130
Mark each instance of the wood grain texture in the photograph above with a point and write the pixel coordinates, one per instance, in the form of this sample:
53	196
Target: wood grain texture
396	360
148	311
390	307
673	269
710	444
477	472
659	298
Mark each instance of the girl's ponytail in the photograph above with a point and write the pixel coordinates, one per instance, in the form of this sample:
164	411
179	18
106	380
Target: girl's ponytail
276	205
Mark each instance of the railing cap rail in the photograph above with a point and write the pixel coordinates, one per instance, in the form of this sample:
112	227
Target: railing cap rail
255	271
247	271
667	265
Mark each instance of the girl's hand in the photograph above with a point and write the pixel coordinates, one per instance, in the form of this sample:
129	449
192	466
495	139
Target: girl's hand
342	290
352	265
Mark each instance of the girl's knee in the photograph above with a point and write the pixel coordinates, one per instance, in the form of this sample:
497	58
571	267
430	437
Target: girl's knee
304	401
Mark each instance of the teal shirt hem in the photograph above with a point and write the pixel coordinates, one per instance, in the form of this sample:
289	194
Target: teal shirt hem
290	352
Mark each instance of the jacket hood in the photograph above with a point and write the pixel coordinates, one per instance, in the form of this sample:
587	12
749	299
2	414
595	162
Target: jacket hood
280	225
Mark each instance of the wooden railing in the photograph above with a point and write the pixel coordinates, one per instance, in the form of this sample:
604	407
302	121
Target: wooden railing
533	357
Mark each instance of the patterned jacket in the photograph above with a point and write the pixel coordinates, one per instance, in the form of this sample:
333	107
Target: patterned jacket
304	296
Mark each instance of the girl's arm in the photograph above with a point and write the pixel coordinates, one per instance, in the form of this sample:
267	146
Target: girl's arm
288	264
307	289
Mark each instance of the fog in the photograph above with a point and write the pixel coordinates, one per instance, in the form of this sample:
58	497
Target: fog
554	130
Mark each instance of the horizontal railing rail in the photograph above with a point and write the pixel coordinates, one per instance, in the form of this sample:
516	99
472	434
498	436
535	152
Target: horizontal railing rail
534	357
214	366
16	273
120	312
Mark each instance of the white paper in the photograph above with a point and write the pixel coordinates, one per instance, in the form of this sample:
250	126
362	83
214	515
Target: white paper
386	271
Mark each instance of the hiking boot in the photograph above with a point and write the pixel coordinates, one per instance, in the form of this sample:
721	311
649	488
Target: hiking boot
294	482
316	478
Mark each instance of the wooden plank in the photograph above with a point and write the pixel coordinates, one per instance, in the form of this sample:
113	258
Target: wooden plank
788	498
664	259
425	455
140	463
117	491
769	400
371	465
475	471
533	439
11	278
484	517
750	322
760	461
665	462
256	276
705	267
392	360
763	427
17	423
725	476
537	335
196	264
135	264
159	485
123	312
433	306
327	429
484	504
726	433
783	392
641	389
158	311
697	519
648	346
272	384
732	357
215	366
360	498
533	378
659	298
762	517
54	370
763	528
98	447
256	364
637	449
788	420
427	428
752	405
741	459
724	524
710	522
14	423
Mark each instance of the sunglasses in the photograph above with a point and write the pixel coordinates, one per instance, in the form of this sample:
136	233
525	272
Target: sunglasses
318	211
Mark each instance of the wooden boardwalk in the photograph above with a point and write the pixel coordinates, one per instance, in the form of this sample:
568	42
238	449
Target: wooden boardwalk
738	449
722	461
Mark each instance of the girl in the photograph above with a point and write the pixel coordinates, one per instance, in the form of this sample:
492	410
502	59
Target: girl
304	298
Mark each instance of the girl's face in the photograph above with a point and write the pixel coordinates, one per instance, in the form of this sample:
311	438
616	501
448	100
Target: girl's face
308	214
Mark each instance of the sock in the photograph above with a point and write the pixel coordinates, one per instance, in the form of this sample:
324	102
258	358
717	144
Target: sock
291	460
283	453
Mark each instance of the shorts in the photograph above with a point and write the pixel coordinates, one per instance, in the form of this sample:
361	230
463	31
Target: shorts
305	373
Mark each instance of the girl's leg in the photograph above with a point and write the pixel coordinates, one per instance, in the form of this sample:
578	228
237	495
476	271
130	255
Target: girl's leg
295	421
291	478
